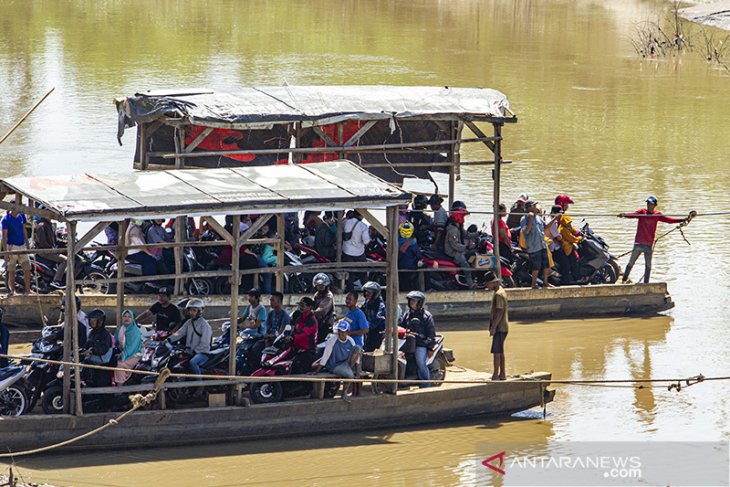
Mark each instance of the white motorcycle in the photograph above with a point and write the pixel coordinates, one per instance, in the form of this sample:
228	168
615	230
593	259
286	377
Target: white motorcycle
13	392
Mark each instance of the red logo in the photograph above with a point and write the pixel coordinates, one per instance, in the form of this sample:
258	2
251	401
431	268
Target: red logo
487	463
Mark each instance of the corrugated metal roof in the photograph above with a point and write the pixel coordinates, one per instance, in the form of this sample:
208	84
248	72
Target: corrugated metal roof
316	104
201	192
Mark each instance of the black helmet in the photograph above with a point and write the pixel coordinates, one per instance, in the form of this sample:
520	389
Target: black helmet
63	303
458	205
435	200
98	315
420	202
254	292
417	295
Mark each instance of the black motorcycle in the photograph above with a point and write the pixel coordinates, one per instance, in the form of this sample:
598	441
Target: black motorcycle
40	374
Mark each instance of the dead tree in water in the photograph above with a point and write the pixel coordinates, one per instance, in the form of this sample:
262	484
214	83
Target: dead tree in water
650	38
715	51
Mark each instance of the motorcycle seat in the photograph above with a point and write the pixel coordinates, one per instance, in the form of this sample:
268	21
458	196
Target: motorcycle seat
435	254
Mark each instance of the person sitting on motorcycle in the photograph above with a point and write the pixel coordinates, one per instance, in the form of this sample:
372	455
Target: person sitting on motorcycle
324	304
438	224
82	322
420	220
376	245
567	256
128	341
4	341
325	237
419	324
197	333
304	336
164	257
277	318
341	356
254	318
410	257
98	348
455	243
167	315
374	309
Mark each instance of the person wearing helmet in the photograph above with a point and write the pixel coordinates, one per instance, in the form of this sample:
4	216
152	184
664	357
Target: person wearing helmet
98	348
355	237
304	336
341	355
324	304
419	324
420	220
456	242
128	339
438	225
374	309
167	315
325	237
81	319
410	257
356	318
197	333
645	234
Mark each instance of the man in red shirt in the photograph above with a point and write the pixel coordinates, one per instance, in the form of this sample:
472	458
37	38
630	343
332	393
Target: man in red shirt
645	234
304	336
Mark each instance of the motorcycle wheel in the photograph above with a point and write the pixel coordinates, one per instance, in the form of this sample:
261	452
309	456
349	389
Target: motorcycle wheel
13	400
604	275
330	389
438	369
223	286
95	287
508	281
53	400
198	287
266	392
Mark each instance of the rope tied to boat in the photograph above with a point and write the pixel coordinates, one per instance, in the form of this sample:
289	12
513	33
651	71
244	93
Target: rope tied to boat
137	400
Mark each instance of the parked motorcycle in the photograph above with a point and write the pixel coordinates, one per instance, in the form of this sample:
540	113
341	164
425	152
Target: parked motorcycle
13	392
44	270
595	263
52	401
41	373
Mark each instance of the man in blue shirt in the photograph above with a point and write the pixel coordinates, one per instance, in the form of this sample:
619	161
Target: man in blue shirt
14	238
533	229
341	356
356	318
254	315
277	318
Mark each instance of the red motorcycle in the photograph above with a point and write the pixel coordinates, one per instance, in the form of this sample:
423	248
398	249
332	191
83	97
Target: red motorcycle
452	279
277	360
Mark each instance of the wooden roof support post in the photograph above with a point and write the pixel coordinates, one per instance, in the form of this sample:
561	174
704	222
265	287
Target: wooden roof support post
496	175
179	147
121	256
382	230
340	215
142	149
281	229
235	278
72	318
391	309
181	223
297	156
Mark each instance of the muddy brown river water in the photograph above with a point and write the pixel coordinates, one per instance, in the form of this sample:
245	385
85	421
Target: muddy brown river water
596	122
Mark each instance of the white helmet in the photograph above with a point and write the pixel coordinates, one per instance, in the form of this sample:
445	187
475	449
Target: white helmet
195	303
322	279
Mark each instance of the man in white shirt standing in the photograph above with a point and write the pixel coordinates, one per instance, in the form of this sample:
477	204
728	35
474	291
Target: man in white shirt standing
355	237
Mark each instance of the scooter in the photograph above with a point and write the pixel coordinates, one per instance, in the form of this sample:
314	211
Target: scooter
52	402
148	352
13	392
277	361
41	373
179	363
597	265
453	279
437	359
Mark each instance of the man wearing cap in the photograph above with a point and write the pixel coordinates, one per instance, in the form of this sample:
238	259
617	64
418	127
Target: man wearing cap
533	228
498	324
167	315
341	355
516	212
645	233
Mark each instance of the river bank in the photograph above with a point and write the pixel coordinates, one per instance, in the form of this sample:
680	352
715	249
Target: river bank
715	14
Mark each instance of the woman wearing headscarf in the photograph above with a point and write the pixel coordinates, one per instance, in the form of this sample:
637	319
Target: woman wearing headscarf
129	341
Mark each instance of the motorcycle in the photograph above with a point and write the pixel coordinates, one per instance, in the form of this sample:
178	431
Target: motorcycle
41	373
437	359
43	271
596	264
13	392
452	279
148	353
177	359
277	360
52	401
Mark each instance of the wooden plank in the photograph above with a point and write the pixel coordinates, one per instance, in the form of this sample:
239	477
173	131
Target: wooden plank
71	306
51	215
181	224
339	215
478	132
281	248
142	148
373	221
89	236
121	255
326	138
179	147
251	231
391	307
355	138
497	175
197	140
235	279
220	230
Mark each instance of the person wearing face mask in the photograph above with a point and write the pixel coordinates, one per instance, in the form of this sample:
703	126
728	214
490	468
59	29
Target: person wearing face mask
98	347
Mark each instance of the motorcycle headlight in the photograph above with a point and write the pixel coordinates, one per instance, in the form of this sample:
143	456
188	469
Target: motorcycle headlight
59	374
